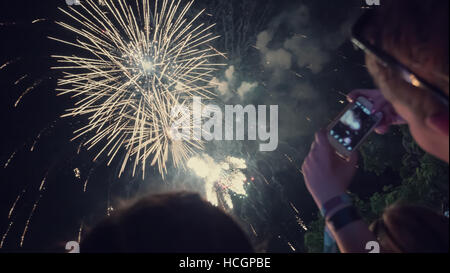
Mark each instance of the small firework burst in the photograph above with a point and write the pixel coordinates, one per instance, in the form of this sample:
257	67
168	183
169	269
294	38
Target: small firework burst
220	178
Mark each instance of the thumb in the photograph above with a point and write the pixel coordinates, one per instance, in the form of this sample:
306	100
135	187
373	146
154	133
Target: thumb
378	105
382	129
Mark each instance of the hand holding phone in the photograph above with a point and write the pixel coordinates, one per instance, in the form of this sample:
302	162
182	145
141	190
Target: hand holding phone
349	130
380	104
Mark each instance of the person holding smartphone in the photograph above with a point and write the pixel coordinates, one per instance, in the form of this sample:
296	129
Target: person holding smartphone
407	53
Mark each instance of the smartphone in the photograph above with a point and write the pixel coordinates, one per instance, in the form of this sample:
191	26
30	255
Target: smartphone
349	130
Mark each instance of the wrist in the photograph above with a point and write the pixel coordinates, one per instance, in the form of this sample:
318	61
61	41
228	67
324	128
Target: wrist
343	217
334	203
336	209
322	199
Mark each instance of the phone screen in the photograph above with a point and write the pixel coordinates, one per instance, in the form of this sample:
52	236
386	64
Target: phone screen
351	128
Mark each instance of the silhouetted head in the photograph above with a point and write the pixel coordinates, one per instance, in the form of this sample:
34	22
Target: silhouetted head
168	223
412	229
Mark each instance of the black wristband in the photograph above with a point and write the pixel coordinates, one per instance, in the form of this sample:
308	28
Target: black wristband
344	217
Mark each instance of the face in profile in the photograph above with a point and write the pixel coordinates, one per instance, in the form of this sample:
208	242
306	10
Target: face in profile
427	118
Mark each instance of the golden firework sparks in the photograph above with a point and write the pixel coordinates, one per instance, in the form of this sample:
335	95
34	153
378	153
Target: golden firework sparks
9	160
27	224
6	234
143	63
13	207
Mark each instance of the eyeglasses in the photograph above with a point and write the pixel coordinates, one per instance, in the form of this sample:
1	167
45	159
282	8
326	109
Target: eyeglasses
389	61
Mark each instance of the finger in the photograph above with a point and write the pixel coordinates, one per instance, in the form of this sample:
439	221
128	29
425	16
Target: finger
323	148
313	146
352	96
378	106
382	129
390	117
384	124
321	137
368	93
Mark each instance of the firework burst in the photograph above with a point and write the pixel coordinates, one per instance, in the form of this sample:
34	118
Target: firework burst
220	178
144	60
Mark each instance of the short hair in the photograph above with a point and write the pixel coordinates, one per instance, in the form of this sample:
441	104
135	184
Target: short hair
418	31
412	229
168	223
417	28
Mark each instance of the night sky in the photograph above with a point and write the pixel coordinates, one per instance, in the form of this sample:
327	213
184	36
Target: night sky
295	54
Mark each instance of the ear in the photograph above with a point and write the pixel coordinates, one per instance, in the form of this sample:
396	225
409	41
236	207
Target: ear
439	122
